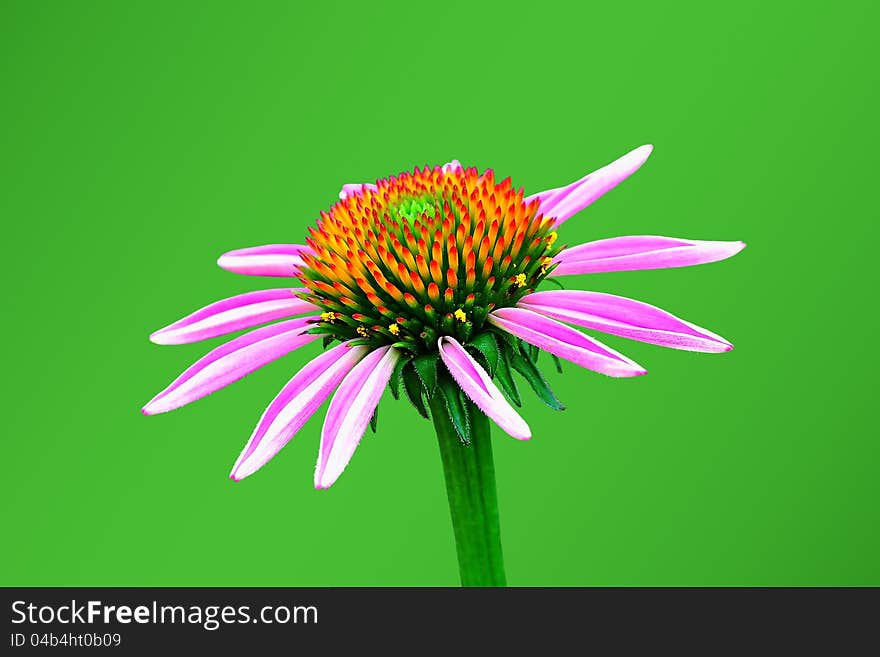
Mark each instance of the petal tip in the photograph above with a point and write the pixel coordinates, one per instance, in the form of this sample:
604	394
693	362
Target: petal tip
229	261
523	432
729	249
637	157
153	407
320	472
162	337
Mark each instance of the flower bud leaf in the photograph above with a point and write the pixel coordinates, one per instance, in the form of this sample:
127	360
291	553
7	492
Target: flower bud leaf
505	379
487	345
426	367
396	377
415	390
527	368
456	407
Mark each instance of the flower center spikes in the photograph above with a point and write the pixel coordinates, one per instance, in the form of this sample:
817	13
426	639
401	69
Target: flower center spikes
426	254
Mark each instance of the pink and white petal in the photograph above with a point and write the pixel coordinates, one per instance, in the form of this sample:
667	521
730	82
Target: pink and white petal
541	197
231	361
635	252
355	188
233	314
478	385
294	405
547	198
564	202
267	260
350	411
564	341
625	317
454	165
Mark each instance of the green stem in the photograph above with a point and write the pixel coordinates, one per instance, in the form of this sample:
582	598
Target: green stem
473	502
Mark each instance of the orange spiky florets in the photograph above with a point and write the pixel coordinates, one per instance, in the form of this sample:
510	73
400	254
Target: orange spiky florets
424	254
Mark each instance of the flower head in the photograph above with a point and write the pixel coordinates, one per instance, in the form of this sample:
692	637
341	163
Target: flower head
423	255
428	281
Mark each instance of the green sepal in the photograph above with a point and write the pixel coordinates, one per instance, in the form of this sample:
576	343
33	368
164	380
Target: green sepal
374	419
557	362
456	408
507	339
505	378
533	353
325	342
415	390
426	367
536	380
480	358
487	345
396	375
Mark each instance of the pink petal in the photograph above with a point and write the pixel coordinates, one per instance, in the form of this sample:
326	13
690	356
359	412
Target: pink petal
233	314
564	341
477	385
231	361
546	194
350	411
624	317
564	202
294	405
267	260
352	188
641	252
454	165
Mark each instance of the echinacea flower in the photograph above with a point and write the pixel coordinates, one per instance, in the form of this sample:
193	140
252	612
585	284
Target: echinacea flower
427	282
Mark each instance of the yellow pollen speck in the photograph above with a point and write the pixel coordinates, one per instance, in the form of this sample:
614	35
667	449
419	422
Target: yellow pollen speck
393	329
551	237
545	263
459	315
361	331
519	280
328	317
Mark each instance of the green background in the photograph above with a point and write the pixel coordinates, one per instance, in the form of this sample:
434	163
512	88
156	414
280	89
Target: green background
141	140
